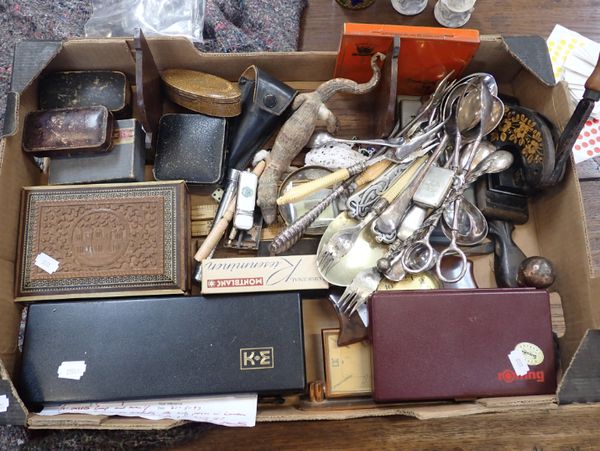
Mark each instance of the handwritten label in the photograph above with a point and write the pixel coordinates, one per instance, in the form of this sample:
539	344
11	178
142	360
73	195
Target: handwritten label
232	410
72	370
47	263
4	403
518	362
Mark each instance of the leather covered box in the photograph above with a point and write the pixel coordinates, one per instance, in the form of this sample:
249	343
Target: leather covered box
103	240
123	163
86	88
455	344
190	147
68	131
124	349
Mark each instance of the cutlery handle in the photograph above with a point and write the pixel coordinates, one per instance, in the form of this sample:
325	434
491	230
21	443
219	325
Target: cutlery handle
593	82
303	190
372	172
507	255
217	232
403	181
293	233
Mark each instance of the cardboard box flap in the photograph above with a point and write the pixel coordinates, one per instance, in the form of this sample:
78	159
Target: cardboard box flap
30	58
581	382
506	57
532	53
12	409
116	54
95	54
11	118
80	421
420	411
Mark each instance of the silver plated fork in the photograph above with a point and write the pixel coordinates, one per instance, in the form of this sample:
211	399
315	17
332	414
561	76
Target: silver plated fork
342	241
358	292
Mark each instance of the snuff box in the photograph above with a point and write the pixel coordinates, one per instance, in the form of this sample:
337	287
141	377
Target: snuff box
68	131
85	88
190	147
103	240
202	92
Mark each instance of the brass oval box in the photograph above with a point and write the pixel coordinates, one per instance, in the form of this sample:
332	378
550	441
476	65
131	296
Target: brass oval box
202	92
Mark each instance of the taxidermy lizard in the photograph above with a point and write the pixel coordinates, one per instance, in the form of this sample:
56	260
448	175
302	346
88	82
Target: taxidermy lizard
297	130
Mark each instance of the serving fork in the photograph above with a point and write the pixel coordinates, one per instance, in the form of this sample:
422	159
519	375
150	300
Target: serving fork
343	240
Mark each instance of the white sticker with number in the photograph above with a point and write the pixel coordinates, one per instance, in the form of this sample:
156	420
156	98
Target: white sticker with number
47	263
72	370
519	362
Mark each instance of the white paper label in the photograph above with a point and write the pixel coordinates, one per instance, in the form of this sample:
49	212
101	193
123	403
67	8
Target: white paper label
231	410
71	370
519	363
4	403
45	262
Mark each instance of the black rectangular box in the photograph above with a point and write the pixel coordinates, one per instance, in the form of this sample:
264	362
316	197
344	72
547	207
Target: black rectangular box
163	347
124	162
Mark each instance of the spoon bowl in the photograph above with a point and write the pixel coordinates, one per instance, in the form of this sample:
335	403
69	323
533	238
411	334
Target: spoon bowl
472	227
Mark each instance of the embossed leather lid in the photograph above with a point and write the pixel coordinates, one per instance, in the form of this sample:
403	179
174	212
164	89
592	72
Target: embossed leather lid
454	344
107	240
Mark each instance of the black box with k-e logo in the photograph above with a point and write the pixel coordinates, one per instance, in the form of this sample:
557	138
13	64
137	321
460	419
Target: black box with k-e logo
126	349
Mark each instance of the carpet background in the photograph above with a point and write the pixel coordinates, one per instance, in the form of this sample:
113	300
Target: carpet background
229	26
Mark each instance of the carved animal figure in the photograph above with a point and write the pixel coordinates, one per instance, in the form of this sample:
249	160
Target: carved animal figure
297	130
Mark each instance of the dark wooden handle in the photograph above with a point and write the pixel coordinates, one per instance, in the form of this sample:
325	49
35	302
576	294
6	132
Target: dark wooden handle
507	255
593	82
352	329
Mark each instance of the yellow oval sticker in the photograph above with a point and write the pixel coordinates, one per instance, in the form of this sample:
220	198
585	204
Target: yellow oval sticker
532	353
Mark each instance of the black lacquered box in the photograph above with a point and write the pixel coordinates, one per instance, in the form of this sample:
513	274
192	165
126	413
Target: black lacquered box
163	347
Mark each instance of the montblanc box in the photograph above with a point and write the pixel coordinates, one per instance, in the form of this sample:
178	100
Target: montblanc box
139	348
242	275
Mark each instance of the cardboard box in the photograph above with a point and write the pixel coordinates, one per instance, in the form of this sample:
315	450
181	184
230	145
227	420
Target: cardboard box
556	214
243	275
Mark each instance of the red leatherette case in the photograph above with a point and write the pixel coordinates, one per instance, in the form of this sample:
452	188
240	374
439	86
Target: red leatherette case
454	344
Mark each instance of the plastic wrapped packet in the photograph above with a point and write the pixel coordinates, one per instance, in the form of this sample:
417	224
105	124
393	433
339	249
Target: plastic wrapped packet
155	17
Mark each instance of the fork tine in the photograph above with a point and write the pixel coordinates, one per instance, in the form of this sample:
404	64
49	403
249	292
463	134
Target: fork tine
325	261
346	297
350	303
323	258
350	307
330	263
357	305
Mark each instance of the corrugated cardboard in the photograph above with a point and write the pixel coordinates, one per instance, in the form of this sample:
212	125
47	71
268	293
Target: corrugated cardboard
555	214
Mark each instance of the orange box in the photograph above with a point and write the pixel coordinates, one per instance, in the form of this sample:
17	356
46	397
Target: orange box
426	53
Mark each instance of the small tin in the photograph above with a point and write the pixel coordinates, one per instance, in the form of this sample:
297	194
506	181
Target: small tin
68	131
202	92
190	147
86	88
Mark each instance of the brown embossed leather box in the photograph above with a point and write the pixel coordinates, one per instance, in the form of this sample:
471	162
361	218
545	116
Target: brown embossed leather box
103	240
